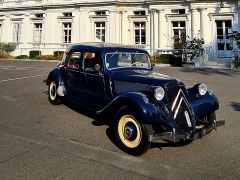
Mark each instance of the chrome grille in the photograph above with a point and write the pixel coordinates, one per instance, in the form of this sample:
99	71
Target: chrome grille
179	106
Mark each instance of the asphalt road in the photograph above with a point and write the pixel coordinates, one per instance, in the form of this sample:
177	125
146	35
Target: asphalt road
42	141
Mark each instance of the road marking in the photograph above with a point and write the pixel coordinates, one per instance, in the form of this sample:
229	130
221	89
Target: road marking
21	68
20	78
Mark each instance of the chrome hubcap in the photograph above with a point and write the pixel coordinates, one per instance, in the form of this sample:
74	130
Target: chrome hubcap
130	131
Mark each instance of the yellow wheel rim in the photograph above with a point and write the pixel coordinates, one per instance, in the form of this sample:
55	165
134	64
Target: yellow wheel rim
129	131
53	91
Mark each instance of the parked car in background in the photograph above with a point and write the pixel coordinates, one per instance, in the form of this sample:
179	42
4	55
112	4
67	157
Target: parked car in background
143	106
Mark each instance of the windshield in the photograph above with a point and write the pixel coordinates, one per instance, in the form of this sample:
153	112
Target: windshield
117	60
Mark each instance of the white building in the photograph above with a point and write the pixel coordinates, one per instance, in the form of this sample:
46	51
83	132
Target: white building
50	25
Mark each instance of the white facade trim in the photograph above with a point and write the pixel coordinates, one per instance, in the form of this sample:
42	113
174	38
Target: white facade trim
119	18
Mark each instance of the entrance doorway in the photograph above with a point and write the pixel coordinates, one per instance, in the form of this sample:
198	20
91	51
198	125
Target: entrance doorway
224	41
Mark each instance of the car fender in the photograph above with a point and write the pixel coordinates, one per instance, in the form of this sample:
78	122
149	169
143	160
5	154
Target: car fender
146	110
57	74
203	105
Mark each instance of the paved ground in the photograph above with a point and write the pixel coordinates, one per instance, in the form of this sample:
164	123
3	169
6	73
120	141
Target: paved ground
42	141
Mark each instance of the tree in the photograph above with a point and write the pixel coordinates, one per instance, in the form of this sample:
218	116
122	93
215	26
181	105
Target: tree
7	47
193	48
236	37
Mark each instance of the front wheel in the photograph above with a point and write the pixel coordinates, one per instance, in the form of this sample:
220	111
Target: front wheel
211	117
131	136
53	97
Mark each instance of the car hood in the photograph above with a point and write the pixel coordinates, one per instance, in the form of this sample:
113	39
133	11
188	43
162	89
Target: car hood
139	80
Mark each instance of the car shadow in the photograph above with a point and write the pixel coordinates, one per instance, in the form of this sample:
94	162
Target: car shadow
79	109
106	121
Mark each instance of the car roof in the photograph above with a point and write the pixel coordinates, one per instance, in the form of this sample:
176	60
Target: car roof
105	47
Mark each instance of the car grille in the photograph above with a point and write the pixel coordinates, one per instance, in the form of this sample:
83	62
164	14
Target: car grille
179	106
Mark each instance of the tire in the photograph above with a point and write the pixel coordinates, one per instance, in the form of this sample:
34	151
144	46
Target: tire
53	97
211	117
131	136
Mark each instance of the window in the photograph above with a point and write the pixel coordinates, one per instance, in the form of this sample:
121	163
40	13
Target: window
100	13
179	32
37	32
16	31
67	32
178	11
68	14
0	32
139	33
39	15
91	62
224	30
74	60
139	13
119	60
100	31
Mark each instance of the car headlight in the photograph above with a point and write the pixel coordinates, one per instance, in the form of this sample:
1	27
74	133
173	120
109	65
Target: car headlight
159	93
202	89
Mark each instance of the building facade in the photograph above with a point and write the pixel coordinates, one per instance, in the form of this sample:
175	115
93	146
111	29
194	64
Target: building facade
51	25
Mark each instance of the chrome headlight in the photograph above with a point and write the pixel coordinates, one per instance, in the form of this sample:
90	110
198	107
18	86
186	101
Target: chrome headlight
159	93
202	89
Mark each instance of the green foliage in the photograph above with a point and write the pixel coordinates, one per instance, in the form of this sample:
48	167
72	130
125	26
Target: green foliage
21	57
236	37
193	48
236	61
161	58
33	54
45	57
7	47
58	53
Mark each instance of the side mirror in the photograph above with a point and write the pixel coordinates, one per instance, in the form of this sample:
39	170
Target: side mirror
97	67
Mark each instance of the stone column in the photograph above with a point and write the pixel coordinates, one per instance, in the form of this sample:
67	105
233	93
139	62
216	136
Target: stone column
195	23
6	30
25	36
204	24
161	27
124	23
152	32
113	30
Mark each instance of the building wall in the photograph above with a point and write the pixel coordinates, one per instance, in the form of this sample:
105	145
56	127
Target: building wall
199	17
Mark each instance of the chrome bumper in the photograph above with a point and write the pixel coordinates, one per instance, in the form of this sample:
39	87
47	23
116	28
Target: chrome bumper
176	137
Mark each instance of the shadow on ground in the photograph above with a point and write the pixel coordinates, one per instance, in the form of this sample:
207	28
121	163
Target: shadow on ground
209	71
107	121
236	106
206	71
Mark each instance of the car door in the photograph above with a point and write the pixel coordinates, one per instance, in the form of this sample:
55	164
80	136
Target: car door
92	81
71	72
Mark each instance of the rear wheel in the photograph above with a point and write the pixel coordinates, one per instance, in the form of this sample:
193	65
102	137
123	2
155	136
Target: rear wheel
53	97
131	136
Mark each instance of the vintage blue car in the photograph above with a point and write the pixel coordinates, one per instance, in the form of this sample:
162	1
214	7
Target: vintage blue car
143	106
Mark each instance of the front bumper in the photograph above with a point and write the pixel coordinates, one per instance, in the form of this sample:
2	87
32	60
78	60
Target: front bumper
176	137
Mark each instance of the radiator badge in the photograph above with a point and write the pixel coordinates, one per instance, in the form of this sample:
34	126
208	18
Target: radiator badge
180	98
188	119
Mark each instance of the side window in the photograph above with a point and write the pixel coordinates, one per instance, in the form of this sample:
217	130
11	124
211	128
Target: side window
90	60
73	61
